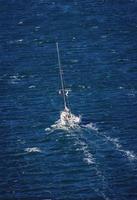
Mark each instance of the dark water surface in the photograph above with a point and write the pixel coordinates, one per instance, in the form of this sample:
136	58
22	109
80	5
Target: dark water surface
98	45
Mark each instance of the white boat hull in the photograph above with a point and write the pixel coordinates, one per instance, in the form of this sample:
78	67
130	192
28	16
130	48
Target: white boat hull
69	119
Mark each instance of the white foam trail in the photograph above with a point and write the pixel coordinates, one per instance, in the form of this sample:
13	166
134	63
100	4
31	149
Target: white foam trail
115	141
33	149
130	154
105	197
91	160
88	157
91	126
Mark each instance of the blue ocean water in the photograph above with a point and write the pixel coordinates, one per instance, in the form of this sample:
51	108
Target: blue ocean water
98	47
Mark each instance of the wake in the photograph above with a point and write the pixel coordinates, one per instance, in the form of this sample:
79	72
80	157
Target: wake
60	125
82	145
87	148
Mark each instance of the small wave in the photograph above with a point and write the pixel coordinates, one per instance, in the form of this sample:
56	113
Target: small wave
19	41
104	36
15	78
91	126
20	22
94	27
82	86
120	87
37	27
132	93
47	129
74	60
33	149
32	86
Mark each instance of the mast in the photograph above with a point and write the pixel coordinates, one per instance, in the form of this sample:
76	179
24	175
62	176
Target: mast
61	76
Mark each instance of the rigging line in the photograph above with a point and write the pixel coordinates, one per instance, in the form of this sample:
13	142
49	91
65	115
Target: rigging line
61	75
